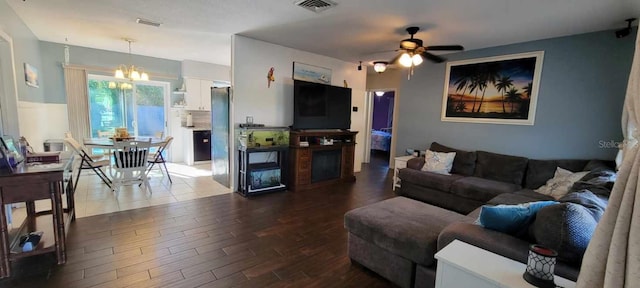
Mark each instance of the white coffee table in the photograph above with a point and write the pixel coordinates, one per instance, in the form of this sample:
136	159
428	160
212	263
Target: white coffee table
464	265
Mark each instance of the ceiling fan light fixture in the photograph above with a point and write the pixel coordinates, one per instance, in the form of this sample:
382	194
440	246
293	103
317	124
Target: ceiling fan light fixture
379	93
416	59
380	66
406	60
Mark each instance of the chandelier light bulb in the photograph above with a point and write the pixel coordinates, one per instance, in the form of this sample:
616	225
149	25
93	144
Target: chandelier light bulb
417	59
144	76
119	73
134	75
405	60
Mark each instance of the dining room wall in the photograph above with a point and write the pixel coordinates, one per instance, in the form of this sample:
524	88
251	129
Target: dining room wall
25	50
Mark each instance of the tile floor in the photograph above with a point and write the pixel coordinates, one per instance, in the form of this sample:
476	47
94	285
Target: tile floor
93	197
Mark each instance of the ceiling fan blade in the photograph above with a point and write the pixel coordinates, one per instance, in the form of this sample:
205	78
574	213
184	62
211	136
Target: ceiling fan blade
434	58
445	48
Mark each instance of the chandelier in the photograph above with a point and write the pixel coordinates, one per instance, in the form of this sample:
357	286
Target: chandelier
131	72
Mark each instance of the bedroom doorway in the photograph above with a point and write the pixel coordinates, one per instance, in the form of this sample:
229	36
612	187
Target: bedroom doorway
381	111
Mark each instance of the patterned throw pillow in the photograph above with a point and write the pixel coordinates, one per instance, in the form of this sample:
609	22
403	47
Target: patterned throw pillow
561	182
438	162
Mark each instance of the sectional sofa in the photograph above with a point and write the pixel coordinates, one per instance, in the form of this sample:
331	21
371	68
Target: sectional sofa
397	238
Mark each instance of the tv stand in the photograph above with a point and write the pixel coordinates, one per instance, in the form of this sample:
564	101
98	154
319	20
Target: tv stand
317	163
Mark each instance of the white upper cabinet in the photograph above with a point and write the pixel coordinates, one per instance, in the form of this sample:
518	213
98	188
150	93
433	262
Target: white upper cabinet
198	96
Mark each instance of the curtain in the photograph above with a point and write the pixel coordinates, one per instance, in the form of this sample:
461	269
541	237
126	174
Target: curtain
613	256
75	80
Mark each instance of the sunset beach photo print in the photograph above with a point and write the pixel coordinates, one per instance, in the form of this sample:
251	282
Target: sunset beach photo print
500	90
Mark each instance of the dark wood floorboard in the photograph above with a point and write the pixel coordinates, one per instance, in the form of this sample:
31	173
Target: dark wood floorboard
283	239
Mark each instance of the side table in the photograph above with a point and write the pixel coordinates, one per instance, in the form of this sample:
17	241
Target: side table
399	163
464	265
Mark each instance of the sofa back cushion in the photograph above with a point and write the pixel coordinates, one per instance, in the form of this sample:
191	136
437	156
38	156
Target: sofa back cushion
464	163
499	167
415	163
540	171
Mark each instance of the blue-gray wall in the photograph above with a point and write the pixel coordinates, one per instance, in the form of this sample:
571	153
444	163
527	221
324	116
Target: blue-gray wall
25	48
582	89
53	56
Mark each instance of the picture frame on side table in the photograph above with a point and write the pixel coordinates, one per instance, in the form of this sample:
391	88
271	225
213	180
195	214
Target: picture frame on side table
311	73
5	164
497	90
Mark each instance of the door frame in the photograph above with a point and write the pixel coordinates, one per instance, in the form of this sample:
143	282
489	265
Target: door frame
8	107
369	124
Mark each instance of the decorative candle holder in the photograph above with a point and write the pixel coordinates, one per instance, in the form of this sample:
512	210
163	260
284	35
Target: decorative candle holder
540	266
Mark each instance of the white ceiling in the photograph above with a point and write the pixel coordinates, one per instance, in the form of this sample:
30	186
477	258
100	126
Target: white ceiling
355	30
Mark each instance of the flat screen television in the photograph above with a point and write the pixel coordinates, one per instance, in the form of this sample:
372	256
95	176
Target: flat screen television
320	106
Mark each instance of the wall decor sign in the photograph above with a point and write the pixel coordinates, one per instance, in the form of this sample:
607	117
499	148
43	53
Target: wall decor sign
499	90
31	75
311	73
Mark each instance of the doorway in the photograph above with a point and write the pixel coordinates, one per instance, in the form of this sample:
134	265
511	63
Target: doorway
141	107
381	112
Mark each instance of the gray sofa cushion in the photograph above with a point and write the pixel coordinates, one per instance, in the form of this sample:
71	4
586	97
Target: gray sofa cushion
415	163
540	171
402	226
504	168
596	165
481	189
463	164
428	179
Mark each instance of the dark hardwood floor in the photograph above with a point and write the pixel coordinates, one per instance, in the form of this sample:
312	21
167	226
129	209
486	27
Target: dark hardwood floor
283	239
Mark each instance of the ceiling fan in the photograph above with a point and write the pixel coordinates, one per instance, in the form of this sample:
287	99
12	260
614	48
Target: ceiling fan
413	52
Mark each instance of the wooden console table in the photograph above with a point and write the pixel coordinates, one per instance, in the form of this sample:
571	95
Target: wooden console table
302	157
28	184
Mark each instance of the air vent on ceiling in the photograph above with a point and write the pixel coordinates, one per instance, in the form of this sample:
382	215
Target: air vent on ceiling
148	22
316	5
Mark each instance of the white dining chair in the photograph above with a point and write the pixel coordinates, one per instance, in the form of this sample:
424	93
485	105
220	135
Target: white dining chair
158	158
130	164
88	161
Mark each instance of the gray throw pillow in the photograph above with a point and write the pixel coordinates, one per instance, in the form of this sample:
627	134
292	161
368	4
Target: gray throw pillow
566	228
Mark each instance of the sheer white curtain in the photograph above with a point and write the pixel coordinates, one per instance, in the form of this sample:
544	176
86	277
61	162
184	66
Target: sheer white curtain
613	256
75	79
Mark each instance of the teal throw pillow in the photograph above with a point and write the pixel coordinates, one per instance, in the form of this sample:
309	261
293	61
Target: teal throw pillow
510	219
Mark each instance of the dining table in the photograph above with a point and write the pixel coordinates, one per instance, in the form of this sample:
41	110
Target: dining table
108	143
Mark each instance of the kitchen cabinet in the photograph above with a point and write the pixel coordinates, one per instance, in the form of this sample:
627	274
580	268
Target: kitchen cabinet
198	95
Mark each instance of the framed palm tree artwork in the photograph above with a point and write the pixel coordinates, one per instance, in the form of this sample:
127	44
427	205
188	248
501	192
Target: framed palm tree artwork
499	90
